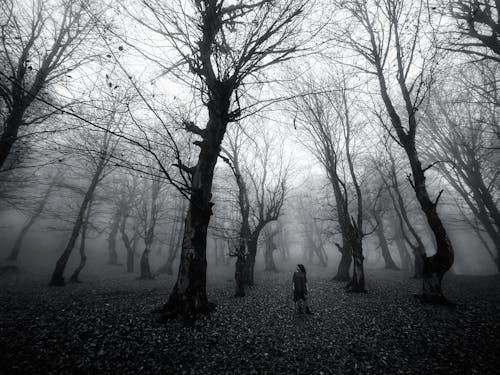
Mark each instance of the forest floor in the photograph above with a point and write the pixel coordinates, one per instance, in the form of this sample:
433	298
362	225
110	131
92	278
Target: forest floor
107	326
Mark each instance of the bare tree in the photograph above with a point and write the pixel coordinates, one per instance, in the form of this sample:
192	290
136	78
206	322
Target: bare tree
42	42
325	117
224	47
96	150
462	146
14	253
379	32
261	195
477	28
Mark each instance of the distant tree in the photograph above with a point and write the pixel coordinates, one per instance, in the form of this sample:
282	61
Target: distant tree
405	228
326	121
96	151
261	194
377	207
16	249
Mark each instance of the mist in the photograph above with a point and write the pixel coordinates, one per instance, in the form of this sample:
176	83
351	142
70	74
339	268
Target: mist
276	186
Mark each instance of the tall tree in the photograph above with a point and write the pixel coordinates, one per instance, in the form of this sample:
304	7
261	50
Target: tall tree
96	151
379	32
225	47
326	119
261	194
465	151
42	42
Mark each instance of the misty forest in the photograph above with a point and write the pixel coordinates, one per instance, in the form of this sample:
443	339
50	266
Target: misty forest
250	186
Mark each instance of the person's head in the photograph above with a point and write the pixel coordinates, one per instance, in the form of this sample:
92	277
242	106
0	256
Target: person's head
301	268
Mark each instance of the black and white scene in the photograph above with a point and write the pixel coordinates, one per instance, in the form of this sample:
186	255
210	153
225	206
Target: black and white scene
250	187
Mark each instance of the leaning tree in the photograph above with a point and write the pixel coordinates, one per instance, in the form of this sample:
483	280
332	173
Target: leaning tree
395	41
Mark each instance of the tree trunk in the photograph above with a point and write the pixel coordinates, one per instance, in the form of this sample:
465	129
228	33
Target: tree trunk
386	254
250	261
438	264
115	224
145	268
344	264
401	245
130	244
19	240
10	132
57	276
268	255
357	283
83	256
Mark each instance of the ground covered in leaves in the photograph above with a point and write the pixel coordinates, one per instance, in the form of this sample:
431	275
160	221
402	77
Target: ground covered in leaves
106	326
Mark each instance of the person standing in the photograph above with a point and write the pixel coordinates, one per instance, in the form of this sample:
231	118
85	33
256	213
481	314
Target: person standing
300	289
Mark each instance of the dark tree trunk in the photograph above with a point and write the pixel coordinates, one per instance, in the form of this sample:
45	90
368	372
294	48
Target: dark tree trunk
268	254
239	276
189	295
386	254
418	263
83	256
344	264
250	261
145	268
438	264
357	283
19	240
57	276
130	244
10	132
115	225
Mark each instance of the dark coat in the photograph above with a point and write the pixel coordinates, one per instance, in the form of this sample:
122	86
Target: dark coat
299	286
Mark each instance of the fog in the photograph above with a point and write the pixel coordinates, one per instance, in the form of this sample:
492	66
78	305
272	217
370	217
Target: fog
219	148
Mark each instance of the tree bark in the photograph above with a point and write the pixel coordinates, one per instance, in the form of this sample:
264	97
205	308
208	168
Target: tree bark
83	256
115	225
357	283
130	243
10	131
343	270
189	295
57	276
386	254
270	247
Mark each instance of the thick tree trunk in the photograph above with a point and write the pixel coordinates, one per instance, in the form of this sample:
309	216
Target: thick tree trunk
10	132
130	244
418	263
145	267
343	273
115	225
386	254
189	295
250	261
357	283
57	276
268	255
83	256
